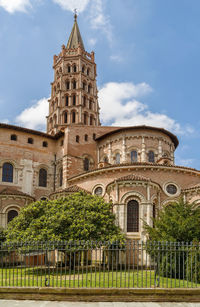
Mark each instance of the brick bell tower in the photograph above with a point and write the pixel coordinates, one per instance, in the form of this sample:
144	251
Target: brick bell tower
74	98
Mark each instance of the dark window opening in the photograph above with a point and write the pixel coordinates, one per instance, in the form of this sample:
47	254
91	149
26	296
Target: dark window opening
45	144
83	69
68	68
88	71
132	216
74	68
7	172
67	101
117	158
98	191
85	119
74	84
13	137
94	136
89	88
90	104
77	138
74	100
61	143
171	189
84	101
91	120
151	156
42	177
61	177
84	86
11	215
134	156
43	198
73	117
86	137
86	164
30	141
65	117
67	85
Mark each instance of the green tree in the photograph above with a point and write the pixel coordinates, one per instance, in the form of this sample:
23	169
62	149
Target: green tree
177	222
79	216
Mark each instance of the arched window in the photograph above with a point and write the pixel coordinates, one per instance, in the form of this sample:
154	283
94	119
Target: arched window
42	177
44	144
7	172
89	88
132	216
151	156
74	84
61	177
11	215
117	158
77	138
94	136
134	156
74	100
74	68
73	117
86	137
13	137
68	68
88	71
30	141
65	117
67	85
84	86
85	118
86	164
83	69
67	101
90	104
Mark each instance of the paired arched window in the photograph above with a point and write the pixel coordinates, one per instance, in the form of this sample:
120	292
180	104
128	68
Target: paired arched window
11	215
132	216
73	117
42	177
117	158
7	172
61	177
65	117
86	164
151	156
134	156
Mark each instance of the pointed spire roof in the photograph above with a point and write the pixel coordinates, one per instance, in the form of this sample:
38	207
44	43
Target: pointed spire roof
75	37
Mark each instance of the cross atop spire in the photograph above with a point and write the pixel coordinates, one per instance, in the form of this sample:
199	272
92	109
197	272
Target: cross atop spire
75	38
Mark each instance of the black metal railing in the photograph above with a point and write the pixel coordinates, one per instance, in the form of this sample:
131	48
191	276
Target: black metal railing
133	264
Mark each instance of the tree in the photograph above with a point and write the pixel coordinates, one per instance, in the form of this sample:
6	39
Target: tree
176	233
79	216
177	222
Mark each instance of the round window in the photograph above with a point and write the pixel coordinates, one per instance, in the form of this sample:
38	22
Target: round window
171	189
98	191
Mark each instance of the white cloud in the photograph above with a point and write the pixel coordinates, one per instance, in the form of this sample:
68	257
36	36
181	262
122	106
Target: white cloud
92	42
185	162
13	6
70	5
35	116
116	58
5	121
99	20
120	107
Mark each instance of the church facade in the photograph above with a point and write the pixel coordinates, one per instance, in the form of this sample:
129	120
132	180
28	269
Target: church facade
133	167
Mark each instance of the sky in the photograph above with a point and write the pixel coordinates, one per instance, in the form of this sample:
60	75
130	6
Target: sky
147	54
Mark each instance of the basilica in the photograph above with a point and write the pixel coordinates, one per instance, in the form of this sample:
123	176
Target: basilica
132	167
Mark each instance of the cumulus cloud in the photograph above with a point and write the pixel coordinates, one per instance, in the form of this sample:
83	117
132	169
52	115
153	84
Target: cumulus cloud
120	107
35	116
71	5
13	6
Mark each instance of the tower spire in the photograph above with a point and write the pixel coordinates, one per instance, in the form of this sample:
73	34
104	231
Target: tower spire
75	38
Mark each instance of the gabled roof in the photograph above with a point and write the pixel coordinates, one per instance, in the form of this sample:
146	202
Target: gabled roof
75	38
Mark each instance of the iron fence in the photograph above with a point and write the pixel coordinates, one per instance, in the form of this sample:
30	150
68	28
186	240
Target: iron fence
133	264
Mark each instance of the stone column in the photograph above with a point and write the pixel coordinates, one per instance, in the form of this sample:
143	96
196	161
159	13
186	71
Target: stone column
109	152
124	149
143	152
159	149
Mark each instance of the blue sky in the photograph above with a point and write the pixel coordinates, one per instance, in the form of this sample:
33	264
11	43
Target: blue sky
147	55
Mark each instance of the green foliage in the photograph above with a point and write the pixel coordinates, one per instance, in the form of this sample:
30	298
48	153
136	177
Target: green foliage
177	222
2	234
77	217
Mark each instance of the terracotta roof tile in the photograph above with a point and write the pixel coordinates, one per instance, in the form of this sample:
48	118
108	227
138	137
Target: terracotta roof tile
11	191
